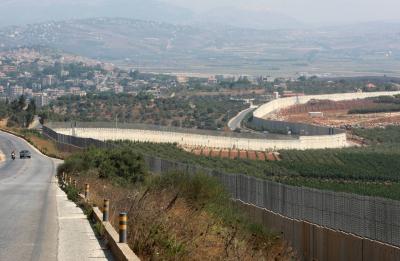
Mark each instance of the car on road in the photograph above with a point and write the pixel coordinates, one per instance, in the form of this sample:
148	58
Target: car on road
23	154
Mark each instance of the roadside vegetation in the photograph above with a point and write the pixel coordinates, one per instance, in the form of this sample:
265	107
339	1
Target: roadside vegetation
182	216
175	216
42	143
120	165
18	112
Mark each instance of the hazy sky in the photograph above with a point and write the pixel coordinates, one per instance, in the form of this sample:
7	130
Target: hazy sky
307	12
314	11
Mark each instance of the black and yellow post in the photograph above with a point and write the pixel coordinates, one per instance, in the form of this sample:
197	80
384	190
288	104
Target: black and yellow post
106	210
86	191
123	222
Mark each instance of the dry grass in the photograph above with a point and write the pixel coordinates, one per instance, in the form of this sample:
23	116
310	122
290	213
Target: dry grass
44	145
165	226
3	123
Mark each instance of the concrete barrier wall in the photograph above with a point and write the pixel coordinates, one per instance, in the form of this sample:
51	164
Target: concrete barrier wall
296	128
278	104
310	218
318	136
197	140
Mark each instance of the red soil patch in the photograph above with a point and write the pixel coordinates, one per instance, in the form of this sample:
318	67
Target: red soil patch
270	156
196	152
205	152
335	114
252	155
215	153
234	154
224	154
243	154
261	155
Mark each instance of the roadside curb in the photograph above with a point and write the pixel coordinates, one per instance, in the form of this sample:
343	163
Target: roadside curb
120	251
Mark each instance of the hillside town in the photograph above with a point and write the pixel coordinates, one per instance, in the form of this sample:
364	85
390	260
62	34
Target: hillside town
45	76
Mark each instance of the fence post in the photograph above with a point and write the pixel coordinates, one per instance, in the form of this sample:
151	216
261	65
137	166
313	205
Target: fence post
123	221
86	191
75	184
106	210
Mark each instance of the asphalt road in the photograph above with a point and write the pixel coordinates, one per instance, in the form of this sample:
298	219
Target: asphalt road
235	122
28	209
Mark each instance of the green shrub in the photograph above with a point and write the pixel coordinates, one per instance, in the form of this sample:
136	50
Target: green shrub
122	163
72	193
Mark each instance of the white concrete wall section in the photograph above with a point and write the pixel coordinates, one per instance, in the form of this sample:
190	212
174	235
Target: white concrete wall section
278	104
196	140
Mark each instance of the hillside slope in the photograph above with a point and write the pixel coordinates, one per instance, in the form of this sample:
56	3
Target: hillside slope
168	47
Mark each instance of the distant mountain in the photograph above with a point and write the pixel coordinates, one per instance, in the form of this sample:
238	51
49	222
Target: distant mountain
362	48
19	12
249	18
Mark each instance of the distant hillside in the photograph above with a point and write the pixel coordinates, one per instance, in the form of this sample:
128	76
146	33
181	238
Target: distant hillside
249	18
356	49
17	12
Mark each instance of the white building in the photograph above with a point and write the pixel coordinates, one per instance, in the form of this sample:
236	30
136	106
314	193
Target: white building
41	99
49	80
118	89
16	91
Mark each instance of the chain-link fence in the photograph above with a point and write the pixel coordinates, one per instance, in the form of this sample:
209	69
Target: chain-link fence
370	217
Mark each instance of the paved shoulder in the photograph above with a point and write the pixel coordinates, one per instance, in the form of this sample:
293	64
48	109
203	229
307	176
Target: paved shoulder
37	222
77	240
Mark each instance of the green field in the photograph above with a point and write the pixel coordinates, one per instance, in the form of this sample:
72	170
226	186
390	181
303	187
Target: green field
371	170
